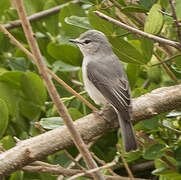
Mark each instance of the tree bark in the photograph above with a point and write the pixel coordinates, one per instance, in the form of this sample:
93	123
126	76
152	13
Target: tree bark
144	107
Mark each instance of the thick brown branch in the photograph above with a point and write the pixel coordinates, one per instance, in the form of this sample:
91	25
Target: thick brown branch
146	106
137	31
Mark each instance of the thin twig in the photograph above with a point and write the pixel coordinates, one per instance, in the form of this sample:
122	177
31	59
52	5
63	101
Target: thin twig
113	163
103	163
130	174
28	53
169	59
169	164
170	73
62	110
116	4
72	164
175	44
145	137
39	15
164	159
172	129
165	13
38	126
57	169
73	160
72	91
175	19
146	84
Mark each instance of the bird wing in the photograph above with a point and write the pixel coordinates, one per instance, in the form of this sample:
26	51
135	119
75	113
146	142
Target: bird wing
111	81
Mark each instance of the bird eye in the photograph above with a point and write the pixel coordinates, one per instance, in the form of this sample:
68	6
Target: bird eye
87	41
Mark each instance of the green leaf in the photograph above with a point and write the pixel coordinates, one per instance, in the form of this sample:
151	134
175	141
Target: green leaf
177	60
134	8
35	95
164	3
34	88
98	23
173	114
13	78
63	67
17	64
167	173
3	117
67	11
151	123
18	175
125	51
178	153
9	95
29	109
75	114
67	53
132	156
147	48
147	4
161	171
8	142
154	74
51	22
132	71
4	5
81	22
33	6
154	20
138	92
51	122
177	9
153	152
90	2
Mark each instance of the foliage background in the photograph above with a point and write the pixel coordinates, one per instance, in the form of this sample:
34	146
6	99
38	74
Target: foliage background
24	99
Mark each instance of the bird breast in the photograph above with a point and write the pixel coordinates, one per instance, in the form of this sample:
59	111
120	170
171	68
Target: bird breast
93	92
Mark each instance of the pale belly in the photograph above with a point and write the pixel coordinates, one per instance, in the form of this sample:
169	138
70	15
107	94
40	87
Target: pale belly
93	92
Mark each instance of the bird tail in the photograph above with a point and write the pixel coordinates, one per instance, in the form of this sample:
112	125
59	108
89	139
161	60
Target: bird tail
129	139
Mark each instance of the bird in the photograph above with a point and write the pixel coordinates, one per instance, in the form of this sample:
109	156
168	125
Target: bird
106	81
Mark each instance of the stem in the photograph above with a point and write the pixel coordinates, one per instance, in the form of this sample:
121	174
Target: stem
175	19
175	44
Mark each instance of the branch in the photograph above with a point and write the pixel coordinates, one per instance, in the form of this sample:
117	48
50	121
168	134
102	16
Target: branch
57	169
175	19
170	73
175	44
146	106
62	110
113	163
39	15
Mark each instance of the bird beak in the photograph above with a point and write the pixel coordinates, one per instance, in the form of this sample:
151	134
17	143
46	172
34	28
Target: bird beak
76	41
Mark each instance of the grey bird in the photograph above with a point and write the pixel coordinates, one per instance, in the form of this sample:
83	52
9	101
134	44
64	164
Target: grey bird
105	80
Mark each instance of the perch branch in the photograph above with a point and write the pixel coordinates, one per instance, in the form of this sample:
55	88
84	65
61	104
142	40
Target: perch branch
146	106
